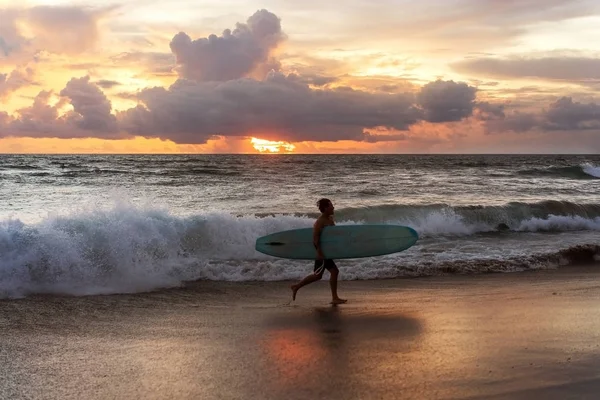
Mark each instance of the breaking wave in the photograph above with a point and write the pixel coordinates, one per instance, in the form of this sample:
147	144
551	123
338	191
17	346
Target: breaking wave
128	249
583	171
441	219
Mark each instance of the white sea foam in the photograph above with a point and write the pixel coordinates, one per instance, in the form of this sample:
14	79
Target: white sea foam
560	223
130	249
591	169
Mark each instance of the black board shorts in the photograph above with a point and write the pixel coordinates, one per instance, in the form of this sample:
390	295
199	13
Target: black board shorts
320	265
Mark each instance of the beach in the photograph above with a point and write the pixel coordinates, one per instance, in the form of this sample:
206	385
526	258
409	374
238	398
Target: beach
170	171
497	336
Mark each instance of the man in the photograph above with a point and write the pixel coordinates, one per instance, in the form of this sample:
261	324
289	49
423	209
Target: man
325	219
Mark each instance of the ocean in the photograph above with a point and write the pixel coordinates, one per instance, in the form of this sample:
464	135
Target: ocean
105	224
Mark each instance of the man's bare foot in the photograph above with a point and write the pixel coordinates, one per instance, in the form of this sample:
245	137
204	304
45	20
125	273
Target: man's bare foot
338	301
294	290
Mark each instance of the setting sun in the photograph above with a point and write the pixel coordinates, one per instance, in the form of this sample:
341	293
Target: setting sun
268	146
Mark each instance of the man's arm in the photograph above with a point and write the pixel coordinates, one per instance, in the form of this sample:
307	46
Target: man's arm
318	228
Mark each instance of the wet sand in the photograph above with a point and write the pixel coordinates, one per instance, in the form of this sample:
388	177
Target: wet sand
499	336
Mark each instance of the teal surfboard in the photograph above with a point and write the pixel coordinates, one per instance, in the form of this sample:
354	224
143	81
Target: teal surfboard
340	241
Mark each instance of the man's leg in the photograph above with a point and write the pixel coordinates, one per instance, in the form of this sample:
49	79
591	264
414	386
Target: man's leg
307	280
334	271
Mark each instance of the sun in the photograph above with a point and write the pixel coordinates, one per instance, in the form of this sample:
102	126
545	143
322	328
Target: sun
268	146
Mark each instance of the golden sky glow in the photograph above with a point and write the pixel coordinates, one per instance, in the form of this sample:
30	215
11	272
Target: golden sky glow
139	77
267	146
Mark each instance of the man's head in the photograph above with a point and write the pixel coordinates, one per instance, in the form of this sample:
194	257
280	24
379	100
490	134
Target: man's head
325	206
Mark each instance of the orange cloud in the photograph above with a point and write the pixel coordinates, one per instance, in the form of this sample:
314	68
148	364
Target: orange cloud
212	93
136	145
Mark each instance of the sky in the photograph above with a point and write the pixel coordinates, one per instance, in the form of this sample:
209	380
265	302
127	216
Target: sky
392	76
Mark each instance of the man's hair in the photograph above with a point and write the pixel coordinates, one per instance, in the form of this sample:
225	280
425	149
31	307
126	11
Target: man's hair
323	203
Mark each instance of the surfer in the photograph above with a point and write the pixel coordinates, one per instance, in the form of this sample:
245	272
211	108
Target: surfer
325	219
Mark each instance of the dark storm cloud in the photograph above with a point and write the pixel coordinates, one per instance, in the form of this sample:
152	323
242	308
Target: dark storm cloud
447	101
486	111
280	107
233	55
515	121
563	114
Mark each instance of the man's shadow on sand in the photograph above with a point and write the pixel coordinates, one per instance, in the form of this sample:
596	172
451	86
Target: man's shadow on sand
337	321
335	344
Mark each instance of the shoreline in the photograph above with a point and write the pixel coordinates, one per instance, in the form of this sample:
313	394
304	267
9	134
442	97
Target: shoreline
495	336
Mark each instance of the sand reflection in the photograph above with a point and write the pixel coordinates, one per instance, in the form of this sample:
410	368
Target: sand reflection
322	350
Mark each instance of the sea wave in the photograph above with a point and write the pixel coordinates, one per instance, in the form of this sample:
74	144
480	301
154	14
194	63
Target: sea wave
582	171
591	170
442	219
586	254
129	249
123	249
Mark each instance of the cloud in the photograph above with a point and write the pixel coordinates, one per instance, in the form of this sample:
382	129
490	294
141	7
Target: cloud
91	107
564	114
313	79
84	66
515	121
67	29
376	137
233	55
55	29
446	101
279	107
11	40
307	64
389	88
216	96
525	12
158	63
90	115
485	111
107	84
4	119
431	26
153	63
17	79
376	83
4	48
584	70
39	120
41	116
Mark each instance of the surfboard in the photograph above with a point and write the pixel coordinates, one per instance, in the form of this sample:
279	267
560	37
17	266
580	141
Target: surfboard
339	241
